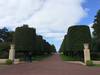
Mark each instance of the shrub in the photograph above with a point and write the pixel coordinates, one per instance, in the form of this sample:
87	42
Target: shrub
9	62
89	63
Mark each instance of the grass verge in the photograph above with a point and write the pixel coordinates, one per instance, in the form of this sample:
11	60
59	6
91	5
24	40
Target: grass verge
69	58
96	65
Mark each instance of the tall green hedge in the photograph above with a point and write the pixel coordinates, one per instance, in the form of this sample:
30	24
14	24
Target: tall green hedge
75	38
25	38
53	48
63	45
39	44
4	49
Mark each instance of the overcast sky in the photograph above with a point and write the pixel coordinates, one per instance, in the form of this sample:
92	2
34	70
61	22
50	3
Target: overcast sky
51	18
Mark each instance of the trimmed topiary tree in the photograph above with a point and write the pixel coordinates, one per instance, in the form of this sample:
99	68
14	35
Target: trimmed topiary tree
63	45
4	49
73	42
53	48
25	42
77	36
25	38
39	45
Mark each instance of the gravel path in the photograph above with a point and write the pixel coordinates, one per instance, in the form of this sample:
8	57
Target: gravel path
51	66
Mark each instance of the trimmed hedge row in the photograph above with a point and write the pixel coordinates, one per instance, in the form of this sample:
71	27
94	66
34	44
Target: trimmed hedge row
26	40
74	40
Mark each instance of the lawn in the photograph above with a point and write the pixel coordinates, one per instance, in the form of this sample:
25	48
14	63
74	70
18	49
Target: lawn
96	65
69	58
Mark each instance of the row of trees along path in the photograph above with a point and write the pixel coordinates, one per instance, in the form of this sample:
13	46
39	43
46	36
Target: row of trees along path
50	66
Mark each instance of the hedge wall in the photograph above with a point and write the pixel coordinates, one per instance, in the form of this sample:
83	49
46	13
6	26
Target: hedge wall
75	38
25	38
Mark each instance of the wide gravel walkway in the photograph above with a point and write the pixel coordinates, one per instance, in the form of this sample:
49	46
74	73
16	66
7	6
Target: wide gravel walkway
51	66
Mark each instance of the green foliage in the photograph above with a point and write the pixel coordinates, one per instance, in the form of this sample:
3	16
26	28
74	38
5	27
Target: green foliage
47	47
4	47
26	41
89	63
75	38
39	44
3	34
97	65
69	58
96	33
43	47
73	42
63	45
10	35
25	38
9	62
53	49
6	35
96	24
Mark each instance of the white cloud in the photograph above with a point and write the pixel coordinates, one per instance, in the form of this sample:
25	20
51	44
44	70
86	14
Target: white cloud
56	36
18	11
47	16
91	29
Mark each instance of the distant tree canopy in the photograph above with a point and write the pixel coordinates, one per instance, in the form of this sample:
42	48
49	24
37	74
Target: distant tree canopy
75	38
6	35
96	24
3	34
96	33
53	48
